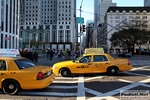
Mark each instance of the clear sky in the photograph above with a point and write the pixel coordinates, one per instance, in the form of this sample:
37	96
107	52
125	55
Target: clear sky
88	7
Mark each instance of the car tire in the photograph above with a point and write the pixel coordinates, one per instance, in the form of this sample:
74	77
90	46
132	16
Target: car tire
112	71
65	72
10	87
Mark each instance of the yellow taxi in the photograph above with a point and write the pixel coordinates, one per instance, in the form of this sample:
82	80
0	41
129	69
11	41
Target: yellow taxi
18	73
92	63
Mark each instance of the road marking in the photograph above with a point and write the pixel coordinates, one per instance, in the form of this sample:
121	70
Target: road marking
87	79
65	81
92	91
122	80
67	77
139	68
109	95
81	91
63	87
47	93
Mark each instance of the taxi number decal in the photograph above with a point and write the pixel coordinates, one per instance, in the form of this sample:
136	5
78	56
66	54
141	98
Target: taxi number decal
82	66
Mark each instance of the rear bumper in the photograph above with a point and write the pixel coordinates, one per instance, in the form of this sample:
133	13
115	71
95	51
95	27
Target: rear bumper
38	84
127	68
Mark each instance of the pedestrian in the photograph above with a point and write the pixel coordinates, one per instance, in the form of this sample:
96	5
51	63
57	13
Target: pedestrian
68	54
74	55
35	56
28	54
77	53
47	53
65	54
60	54
51	54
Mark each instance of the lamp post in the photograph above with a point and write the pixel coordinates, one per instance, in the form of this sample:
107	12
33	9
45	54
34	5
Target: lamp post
80	26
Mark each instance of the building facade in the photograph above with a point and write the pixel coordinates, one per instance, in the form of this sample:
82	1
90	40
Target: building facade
115	17
96	12
90	35
48	24
9	24
146	3
104	5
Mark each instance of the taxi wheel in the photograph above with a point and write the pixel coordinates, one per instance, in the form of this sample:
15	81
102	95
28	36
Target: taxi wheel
65	72
112	71
10	87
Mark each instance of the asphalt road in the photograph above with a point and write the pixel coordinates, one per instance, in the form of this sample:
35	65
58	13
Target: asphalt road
91	86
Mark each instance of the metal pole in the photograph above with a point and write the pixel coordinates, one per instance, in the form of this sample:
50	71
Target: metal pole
80	26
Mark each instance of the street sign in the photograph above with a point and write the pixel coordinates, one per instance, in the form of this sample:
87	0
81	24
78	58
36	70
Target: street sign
80	20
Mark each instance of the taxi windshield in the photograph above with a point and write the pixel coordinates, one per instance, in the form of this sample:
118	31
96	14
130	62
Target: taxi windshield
78	58
24	63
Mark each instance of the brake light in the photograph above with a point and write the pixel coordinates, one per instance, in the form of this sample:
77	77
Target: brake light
129	62
40	76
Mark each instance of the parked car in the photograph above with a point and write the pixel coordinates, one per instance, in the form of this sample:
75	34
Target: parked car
124	54
18	73
92	63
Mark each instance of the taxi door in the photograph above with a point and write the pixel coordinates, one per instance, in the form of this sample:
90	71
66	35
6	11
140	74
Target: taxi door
83	65
3	71
100	63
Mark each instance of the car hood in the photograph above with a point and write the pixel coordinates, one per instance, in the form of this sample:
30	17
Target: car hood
63	63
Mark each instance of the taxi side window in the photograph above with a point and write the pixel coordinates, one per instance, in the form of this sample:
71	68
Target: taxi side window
100	58
85	59
2	65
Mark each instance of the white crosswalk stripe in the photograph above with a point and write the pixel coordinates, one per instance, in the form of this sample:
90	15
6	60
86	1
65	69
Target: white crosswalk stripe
140	62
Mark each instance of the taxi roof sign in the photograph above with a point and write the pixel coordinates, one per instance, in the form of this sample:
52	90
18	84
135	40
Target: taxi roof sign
9	53
94	50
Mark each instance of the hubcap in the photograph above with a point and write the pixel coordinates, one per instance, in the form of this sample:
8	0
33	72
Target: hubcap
65	73
11	86
113	70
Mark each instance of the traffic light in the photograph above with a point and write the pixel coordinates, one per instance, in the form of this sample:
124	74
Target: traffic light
83	28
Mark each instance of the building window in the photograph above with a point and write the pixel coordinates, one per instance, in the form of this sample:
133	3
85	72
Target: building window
67	27
137	12
117	17
144	17
111	17
124	12
124	17
137	17
60	27
117	21
131	17
131	12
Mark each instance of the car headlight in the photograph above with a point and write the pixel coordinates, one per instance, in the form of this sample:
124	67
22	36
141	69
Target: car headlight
54	67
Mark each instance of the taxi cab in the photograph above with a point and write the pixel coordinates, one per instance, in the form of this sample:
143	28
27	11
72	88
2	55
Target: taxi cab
18	73
92	63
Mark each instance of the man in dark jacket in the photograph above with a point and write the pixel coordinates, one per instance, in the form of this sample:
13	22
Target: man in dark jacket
51	54
35	56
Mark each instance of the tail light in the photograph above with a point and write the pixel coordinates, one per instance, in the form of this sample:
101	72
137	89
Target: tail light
129	62
40	76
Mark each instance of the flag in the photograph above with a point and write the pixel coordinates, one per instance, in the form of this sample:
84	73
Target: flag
7	38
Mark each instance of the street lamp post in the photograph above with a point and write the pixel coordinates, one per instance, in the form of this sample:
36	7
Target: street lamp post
80	26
